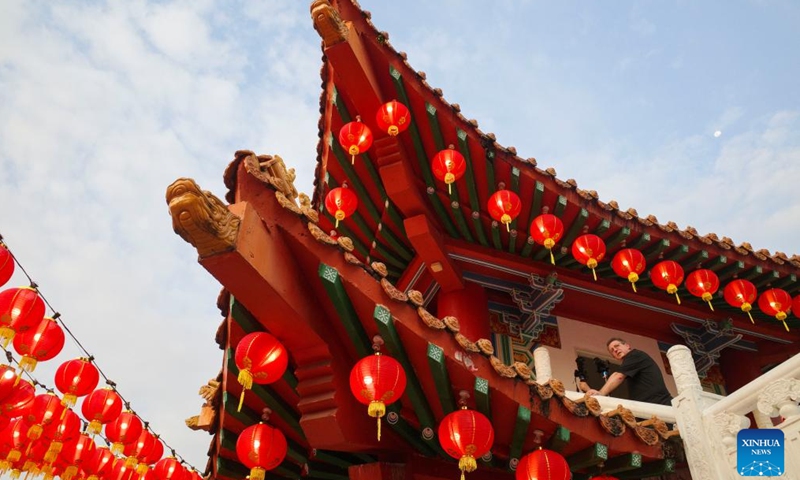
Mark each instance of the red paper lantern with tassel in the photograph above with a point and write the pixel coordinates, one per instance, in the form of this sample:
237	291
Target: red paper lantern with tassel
137	451
393	117
261	359
703	283
39	344
59	432
504	206
75	454
777	303
629	263
19	401
6	264
466	435
151	458
589	250
341	202
76	378
260	448
742	294
170	468
15	436
355	138
543	464
101	407
20	309
667	275
448	166
101	464
46	409
123	430
8	379
546	230
121	471
376	381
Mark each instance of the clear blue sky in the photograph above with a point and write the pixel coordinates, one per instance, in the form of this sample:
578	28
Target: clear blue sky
103	104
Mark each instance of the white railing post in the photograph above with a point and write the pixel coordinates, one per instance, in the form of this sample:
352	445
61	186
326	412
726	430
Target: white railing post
541	365
704	461
780	398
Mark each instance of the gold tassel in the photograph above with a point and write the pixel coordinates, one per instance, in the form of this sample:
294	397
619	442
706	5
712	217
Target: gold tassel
594	274
93	477
35	432
377	409
785	326
16	473
52	452
677	298
131	462
4	466
14	455
94	427
141	469
69	400
6	334
27	364
117	448
246	380
552	258
467	463
257	473
69	472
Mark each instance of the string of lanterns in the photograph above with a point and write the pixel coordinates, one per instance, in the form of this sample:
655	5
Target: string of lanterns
40	433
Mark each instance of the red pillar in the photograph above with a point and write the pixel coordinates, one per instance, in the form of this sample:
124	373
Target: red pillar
471	306
739	368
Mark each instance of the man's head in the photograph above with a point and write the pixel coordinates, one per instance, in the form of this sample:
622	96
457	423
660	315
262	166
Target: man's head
618	347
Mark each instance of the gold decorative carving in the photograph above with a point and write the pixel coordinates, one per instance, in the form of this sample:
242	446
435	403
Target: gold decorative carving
501	368
416	297
350	258
305	207
328	23
346	243
647	435
392	291
271	169
319	235
485	346
452	323
208	390
380	268
612	425
286	203
576	408
429	319
557	386
466	343
201	219
522	370
623	413
545	392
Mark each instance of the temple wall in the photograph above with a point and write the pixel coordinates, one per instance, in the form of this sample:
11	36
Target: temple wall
586	339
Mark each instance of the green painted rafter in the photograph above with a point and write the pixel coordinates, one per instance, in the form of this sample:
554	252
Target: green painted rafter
482	397
618	464
650	469
574	229
441	378
472	189
677	253
559	439
520	432
347	313
588	457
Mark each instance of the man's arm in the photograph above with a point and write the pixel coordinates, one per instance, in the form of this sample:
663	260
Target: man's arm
614	381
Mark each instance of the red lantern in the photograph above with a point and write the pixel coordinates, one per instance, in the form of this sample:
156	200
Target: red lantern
589	249
777	303
261	448
629	263
464	435
795	309
449	165
101	407
34	458
75	454
101	464
356	138
393	117
546	230
742	294
15	437
123	430
76	378
67	428
504	206
341	202
667	275
377	381
543	464
119	470
20	309
150	458
19	401
139	449
169	469
703	283
46	409
6	264
8	379
261	359
39	344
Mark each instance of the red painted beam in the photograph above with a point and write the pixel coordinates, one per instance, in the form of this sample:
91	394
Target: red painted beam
429	244
353	73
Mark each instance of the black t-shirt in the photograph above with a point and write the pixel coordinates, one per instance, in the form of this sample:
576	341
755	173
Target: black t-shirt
645	380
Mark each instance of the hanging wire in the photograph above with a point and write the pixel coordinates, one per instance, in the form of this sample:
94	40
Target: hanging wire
57	317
